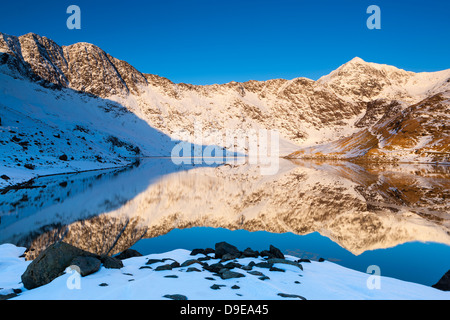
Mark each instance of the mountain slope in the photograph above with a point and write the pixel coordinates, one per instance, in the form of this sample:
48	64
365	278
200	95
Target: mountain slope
340	114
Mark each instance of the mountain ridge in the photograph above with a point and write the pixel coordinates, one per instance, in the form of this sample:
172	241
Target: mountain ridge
307	113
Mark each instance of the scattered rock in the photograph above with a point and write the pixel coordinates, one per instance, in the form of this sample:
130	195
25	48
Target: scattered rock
264	278
163	267
152	261
206	258
129	253
231	265
103	284
228	256
231	274
287	295
256	273
250	253
217	286
284	261
215	267
197	251
171	276
51	263
63	157
264	265
210	278
30	166
5	177
223	248
304	260
175	297
277	269
145	267
86	265
7	296
190	262
111	262
192	269
235	287
321	259
276	253
444	283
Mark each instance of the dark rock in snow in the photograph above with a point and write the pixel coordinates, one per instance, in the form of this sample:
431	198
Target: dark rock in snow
215	267
152	261
256	273
197	251
63	157
129	253
304	260
231	274
164	267
444	283
175	297
264	265
51	263
284	261
276	253
250	253
223	248
5	177
217	286
276	269
86	265
287	295
111	262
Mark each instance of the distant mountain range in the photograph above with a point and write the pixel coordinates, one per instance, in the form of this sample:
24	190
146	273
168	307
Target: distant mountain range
81	102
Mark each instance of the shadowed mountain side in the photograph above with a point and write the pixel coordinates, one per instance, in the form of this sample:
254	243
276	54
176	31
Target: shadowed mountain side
50	129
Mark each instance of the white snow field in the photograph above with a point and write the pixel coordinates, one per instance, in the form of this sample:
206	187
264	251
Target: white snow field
317	281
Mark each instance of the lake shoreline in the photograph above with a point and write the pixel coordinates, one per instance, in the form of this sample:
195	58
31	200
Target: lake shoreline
222	273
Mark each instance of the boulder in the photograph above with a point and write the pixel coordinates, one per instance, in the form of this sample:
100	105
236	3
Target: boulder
227	274
51	263
250	253
86	265
129	253
276	253
223	248
111	262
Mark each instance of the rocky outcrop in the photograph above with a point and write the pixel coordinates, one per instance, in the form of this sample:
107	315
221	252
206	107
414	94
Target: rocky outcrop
305	112
52	262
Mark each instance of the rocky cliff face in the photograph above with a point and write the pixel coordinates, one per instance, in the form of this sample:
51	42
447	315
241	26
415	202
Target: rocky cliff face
305	112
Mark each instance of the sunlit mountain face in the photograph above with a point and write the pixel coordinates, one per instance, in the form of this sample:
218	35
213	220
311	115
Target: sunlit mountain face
89	137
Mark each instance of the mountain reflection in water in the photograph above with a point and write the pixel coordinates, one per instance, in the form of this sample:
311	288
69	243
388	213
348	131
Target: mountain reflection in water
360	207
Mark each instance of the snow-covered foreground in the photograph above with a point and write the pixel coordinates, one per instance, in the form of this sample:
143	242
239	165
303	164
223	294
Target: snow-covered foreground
317	280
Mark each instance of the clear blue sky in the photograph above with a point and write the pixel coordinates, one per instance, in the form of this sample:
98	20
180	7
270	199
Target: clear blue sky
217	41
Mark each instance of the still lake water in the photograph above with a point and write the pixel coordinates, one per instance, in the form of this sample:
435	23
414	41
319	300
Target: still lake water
393	216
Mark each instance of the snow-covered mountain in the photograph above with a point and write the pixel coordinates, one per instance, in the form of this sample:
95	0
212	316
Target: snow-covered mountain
81	102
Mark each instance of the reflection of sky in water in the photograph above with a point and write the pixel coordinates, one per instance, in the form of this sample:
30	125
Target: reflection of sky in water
418	262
